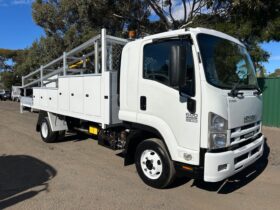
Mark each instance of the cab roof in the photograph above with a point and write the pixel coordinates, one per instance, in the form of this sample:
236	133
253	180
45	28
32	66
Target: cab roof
193	31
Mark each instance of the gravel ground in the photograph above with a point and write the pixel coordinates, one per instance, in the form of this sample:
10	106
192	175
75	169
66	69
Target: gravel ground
78	174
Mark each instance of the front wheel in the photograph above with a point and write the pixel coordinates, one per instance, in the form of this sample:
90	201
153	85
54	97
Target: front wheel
46	132
153	163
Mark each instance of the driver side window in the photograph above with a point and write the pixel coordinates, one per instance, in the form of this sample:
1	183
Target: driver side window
156	64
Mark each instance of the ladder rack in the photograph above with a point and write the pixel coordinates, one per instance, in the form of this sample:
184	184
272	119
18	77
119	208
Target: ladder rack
99	54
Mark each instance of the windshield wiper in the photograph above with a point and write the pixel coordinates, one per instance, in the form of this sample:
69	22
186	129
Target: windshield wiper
234	91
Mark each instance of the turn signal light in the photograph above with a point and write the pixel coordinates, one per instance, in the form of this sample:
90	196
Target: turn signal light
187	168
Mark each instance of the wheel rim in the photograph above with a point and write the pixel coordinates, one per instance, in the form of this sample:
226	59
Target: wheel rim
44	130
151	164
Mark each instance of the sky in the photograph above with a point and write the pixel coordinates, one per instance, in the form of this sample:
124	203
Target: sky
274	61
18	29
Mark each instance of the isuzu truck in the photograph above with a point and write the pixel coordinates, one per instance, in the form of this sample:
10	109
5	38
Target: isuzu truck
184	101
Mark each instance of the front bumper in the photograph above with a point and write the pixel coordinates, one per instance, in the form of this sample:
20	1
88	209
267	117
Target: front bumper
219	166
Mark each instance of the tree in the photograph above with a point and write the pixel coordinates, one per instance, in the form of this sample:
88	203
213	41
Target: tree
276	73
8	76
81	17
2	63
166	10
250	21
9	79
5	55
246	19
68	23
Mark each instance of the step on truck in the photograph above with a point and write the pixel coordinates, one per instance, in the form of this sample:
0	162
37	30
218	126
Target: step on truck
180	102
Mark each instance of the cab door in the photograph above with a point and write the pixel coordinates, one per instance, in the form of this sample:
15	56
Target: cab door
160	104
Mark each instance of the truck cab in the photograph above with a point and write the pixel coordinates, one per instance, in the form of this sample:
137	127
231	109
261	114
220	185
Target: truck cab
197	89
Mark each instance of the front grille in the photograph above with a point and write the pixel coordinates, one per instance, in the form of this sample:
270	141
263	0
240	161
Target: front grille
254	151
242	144
244	133
246	155
240	158
244	127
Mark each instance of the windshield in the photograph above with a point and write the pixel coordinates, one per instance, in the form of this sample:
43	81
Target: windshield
226	64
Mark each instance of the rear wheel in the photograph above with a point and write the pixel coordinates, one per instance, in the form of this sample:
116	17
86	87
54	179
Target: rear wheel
46	132
153	163
60	135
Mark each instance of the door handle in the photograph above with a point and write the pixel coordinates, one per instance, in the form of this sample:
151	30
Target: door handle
143	103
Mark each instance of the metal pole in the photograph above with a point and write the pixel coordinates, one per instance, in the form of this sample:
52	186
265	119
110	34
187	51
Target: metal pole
110	56
84	61
41	75
24	90
104	50
64	63
84	64
96	57
22	81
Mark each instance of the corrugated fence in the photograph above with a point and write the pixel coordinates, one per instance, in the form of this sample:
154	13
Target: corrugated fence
271	101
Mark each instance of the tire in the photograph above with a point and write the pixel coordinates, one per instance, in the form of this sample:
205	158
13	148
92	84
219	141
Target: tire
60	135
153	163
47	134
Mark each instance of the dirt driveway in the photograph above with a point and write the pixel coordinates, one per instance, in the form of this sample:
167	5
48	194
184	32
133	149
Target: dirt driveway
79	174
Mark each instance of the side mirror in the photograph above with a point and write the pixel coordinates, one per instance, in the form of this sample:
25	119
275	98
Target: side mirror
177	68
191	102
191	105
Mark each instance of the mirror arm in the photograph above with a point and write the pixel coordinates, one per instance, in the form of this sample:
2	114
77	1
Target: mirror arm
191	103
183	94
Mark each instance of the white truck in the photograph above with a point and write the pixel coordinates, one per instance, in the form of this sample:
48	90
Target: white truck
183	101
15	96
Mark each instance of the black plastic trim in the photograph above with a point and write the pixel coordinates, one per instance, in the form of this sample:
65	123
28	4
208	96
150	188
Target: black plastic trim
197	172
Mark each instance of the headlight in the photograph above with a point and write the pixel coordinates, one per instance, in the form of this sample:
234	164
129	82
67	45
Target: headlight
219	140
218	123
217	131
